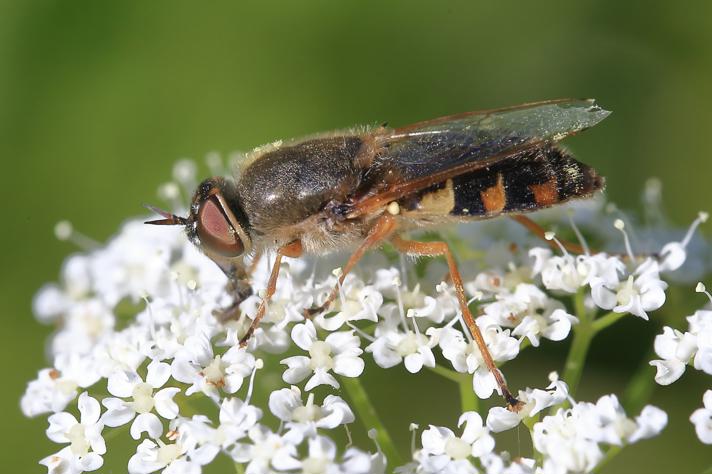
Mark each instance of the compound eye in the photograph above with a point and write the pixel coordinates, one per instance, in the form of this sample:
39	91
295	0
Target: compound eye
215	231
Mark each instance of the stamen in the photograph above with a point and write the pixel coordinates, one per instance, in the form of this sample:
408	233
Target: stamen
258	365
652	199
399	300
413	428
552	236
337	272
700	288
579	236
465	329
185	171
415	324
373	434
701	219
349	439
170	192
476	297
620	225
64	231
402	258
215	163
360	332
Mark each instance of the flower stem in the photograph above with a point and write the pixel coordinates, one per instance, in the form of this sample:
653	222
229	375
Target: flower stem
468	399
610	454
239	468
369	418
447	373
583	334
641	386
606	320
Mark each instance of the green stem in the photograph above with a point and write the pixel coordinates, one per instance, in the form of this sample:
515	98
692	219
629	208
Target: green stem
583	334
612	452
468	399
606	320
641	386
447	373
239	468
369	418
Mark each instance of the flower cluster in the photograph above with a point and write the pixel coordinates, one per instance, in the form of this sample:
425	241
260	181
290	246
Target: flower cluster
569	440
144	316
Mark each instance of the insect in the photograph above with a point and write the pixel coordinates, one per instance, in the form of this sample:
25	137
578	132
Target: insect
356	190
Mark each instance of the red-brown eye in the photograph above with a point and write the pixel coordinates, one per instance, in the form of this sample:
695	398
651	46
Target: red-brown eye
215	231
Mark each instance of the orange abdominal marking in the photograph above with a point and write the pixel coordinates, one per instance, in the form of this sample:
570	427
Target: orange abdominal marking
545	193
494	198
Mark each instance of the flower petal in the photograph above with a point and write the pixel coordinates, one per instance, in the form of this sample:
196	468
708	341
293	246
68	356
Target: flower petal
147	422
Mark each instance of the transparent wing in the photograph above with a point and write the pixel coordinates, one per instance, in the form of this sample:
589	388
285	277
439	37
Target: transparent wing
433	146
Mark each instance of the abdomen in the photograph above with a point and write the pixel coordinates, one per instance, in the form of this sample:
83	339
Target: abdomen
525	182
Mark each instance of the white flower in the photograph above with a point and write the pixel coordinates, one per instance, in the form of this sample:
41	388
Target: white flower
357	302
197	365
321	459
678	349
152	456
203	442
531	313
674	254
66	462
466	357
443	451
142	401
303	420
534	401
54	388
570	438
503	464
391	347
86	323
86	443
702	419
640	292
266	450
339	352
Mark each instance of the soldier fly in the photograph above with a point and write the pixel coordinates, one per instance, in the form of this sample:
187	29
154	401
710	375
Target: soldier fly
356	190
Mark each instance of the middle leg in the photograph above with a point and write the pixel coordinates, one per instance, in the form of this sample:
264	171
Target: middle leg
382	228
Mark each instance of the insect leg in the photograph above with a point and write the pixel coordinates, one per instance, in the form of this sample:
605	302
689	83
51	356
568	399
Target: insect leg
539	231
382	228
432	249
293	249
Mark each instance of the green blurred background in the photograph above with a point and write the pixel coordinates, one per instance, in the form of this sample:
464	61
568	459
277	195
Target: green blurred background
98	99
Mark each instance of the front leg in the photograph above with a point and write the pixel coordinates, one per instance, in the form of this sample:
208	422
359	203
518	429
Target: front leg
292	249
239	285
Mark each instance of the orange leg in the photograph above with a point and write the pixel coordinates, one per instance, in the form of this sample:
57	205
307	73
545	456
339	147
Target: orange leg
293	249
432	249
539	231
382	228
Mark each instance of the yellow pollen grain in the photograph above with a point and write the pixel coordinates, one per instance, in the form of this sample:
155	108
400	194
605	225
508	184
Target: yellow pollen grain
393	208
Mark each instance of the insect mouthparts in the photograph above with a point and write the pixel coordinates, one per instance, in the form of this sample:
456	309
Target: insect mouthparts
169	218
